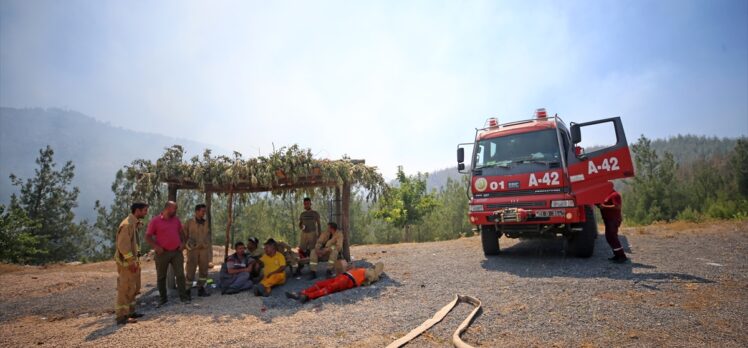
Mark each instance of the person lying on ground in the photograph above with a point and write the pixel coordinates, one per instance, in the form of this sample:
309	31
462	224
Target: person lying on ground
273	269
235	272
350	279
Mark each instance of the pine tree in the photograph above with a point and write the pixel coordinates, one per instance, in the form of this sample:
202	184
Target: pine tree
48	200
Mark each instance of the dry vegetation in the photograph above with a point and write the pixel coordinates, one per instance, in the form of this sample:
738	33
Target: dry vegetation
687	286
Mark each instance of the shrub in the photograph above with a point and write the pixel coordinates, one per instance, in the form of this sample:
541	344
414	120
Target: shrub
690	215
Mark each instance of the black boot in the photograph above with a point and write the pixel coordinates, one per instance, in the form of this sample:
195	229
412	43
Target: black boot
201	292
292	295
619	259
313	275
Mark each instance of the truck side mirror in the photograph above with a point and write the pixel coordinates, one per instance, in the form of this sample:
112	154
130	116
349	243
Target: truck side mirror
576	134
460	167
461	156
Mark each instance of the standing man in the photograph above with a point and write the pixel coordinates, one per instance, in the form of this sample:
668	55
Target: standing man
310	226
329	245
166	238
610	209
128	266
199	247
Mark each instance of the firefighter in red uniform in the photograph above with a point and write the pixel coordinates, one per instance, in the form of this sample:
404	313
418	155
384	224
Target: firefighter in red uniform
354	277
610	209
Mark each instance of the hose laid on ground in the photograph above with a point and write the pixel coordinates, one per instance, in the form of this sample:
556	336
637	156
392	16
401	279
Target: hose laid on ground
456	340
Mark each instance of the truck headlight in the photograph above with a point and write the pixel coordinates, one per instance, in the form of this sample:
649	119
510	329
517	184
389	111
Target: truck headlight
476	207
565	203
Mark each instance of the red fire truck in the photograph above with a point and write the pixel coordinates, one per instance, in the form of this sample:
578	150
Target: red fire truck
531	179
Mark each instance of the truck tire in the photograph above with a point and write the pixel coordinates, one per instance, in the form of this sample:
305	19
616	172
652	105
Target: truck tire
489	237
582	244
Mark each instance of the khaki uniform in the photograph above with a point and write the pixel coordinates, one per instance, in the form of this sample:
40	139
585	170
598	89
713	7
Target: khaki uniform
257	253
199	250
309	222
126	253
334	241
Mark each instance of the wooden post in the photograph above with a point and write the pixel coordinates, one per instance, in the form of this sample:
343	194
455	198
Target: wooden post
336	213
230	204
171	280
209	218
345	221
172	193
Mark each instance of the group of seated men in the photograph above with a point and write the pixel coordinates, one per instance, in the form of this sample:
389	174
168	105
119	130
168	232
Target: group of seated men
259	270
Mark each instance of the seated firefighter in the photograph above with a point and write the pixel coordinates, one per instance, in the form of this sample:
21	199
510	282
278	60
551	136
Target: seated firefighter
273	269
292	258
235	272
253	248
255	252
329	247
350	279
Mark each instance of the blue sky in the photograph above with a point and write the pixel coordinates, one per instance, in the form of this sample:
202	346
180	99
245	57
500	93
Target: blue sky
395	82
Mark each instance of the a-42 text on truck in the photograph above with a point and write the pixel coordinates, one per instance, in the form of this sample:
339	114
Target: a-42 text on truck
531	179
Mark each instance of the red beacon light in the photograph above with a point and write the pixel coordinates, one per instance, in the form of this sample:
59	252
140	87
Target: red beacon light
540	113
492	122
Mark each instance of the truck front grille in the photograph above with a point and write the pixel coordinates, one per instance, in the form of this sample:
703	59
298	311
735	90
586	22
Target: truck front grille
515	205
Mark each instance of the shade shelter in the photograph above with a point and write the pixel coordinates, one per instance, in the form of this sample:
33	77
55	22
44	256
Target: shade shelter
287	169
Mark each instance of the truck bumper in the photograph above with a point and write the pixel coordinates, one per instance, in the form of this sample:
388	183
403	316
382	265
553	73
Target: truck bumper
521	216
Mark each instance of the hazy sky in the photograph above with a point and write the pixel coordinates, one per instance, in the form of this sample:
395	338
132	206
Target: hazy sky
394	82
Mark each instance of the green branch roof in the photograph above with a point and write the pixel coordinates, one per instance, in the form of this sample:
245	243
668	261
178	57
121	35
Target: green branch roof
285	169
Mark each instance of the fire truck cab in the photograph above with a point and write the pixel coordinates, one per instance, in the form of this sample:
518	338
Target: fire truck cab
531	179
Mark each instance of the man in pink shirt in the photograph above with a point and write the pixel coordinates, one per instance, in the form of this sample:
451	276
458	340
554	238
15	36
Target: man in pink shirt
165	237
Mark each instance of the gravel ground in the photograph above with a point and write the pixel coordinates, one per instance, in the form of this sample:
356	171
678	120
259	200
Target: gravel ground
687	286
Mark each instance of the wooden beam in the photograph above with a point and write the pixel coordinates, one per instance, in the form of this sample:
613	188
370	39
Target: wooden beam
228	224
346	220
247	188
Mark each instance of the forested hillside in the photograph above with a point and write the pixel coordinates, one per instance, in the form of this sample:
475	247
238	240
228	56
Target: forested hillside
683	177
97	149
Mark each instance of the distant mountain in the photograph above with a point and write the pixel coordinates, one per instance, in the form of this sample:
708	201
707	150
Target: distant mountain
438	178
97	149
685	149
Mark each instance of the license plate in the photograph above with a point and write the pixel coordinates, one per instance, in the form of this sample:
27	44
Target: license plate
549	213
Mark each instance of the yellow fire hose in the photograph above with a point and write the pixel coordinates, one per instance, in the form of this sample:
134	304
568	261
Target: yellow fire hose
456	340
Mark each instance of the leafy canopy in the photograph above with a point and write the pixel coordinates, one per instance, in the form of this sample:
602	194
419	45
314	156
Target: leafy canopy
286	165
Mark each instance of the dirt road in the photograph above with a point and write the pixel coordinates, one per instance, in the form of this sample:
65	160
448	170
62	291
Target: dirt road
687	286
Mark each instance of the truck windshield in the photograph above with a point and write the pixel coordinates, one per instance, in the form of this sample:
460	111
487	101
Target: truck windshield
510	150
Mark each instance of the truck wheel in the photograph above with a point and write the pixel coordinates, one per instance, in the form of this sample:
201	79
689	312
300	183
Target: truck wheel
582	244
489	236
